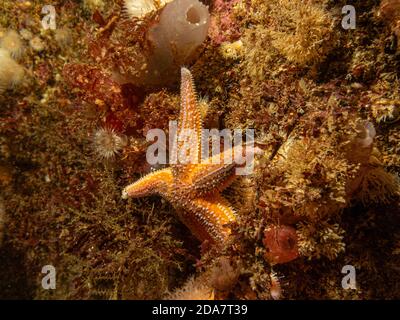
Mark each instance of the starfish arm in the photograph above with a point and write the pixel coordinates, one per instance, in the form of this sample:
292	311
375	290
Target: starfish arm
187	148
218	172
156	182
208	217
206	179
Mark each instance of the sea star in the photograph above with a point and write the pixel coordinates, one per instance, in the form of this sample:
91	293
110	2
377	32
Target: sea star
193	187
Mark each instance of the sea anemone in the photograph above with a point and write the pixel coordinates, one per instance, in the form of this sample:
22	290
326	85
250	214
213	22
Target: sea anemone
281	244
304	31
275	290
37	44
107	143
223	275
378	186
366	135
360	147
193	289
386	110
11	73
63	37
13	44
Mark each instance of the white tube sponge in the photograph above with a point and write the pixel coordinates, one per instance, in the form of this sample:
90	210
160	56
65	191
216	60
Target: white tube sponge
181	30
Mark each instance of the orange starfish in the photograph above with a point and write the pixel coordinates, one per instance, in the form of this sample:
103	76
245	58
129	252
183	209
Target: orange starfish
193	187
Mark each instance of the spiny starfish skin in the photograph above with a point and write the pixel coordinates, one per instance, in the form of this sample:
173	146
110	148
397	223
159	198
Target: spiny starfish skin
192	187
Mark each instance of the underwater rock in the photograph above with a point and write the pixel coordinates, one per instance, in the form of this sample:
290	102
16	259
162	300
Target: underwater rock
314	93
